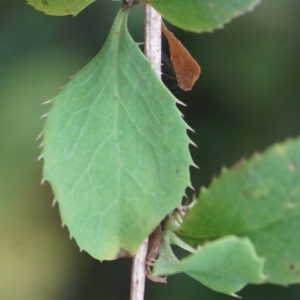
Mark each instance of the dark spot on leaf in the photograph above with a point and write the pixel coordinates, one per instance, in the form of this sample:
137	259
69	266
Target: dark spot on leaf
177	171
291	165
45	2
292	267
67	10
246	193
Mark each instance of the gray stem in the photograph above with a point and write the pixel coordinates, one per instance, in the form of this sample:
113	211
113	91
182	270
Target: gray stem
153	53
153	37
138	275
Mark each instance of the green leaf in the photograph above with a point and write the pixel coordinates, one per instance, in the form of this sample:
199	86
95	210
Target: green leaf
60	7
225	265
259	199
116	149
202	15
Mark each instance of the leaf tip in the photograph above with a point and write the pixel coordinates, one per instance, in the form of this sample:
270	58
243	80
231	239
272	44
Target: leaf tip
191	186
47	102
39	136
235	296
190	128
195	166
193	144
180	103
54	202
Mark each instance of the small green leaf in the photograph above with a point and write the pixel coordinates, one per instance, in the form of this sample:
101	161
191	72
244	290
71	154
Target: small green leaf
116	149
259	199
60	7
225	265
202	15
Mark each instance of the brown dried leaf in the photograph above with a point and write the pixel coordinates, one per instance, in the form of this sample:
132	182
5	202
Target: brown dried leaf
186	68
154	245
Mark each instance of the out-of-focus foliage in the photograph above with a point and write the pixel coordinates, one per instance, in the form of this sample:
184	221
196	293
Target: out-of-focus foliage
60	7
202	15
246	99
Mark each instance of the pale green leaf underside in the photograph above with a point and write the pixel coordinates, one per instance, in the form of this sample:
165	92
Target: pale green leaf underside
202	15
60	7
115	149
259	199
225	265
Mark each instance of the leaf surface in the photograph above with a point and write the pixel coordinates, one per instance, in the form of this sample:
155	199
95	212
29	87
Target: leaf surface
225	265
260	199
60	7
116	149
202	15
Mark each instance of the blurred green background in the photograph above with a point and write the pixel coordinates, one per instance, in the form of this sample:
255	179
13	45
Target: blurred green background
247	98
